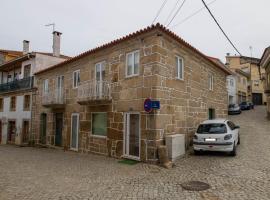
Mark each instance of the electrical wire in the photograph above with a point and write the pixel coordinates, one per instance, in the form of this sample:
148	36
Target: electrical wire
221	28
176	12
193	14
159	11
173	9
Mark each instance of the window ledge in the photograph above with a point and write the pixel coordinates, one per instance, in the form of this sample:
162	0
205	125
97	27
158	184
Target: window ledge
131	76
98	136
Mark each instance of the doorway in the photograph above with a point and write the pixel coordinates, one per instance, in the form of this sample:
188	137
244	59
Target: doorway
100	76
25	132
11	132
211	113
58	129
43	128
74	131
257	98
132	136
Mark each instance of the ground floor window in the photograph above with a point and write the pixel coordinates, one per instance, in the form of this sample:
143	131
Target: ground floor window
99	124
211	113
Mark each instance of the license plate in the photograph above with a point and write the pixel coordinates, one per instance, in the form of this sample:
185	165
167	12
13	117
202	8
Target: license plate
210	139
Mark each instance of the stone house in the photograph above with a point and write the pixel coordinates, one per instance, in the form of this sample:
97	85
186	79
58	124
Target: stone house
94	102
265	64
250	65
17	86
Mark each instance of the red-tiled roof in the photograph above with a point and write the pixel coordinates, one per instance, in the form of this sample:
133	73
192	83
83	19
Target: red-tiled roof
132	35
220	63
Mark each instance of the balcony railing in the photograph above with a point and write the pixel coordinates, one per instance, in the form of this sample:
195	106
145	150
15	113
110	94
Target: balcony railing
21	84
94	91
54	98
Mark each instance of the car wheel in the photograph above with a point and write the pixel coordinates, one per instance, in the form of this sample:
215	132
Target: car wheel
233	152
238	140
196	152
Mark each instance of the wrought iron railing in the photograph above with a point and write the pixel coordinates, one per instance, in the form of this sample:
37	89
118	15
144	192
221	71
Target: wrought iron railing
55	97
21	84
94	90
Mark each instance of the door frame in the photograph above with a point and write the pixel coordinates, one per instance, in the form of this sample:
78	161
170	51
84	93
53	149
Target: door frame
126	126
55	127
78	128
100	85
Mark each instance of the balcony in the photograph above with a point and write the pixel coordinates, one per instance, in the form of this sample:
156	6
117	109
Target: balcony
54	99
16	85
94	92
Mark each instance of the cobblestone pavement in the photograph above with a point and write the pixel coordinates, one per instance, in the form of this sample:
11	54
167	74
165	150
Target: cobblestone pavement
33	173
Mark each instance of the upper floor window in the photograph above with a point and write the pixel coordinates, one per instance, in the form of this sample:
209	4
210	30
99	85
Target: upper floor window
231	82
76	78
27	71
13	103
210	82
132	63
179	63
46	86
1	104
26	102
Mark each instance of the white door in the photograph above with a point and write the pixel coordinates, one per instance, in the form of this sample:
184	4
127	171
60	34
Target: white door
132	136
100	76
74	131
59	89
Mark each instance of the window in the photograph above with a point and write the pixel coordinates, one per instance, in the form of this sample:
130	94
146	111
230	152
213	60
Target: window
231	82
132	63
27	71
179	67
211	113
13	103
99	124
1	104
46	86
210	82
256	83
26	103
212	128
76	78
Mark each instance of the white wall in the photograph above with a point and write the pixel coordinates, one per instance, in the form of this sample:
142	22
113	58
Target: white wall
19	115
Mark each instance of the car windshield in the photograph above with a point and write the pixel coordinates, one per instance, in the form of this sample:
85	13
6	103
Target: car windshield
212	128
244	103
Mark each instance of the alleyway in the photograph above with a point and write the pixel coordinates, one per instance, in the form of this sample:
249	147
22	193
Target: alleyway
35	173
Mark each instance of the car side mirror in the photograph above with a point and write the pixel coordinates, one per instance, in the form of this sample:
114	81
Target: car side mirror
236	127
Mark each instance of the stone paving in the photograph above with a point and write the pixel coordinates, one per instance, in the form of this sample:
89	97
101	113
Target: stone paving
37	173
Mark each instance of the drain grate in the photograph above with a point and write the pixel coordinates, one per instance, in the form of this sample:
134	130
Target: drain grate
195	186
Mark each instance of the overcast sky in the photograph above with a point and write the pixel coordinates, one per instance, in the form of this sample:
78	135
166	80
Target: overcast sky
86	24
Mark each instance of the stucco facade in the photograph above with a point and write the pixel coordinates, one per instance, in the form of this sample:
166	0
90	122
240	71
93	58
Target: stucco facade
130	131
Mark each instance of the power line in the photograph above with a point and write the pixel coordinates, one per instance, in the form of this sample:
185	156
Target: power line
221	28
193	14
174	7
176	12
159	11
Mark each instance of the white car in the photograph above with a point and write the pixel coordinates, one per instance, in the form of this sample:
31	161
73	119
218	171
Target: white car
216	135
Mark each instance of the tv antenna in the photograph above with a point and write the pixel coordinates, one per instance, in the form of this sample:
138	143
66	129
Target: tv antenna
52	24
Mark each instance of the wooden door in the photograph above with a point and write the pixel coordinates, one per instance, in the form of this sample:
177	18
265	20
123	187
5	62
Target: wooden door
25	132
58	129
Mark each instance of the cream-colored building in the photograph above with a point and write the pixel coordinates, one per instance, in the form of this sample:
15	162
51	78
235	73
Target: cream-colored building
94	102
250	66
265	64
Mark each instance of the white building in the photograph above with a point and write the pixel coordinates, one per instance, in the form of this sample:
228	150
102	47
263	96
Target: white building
232	89
17	86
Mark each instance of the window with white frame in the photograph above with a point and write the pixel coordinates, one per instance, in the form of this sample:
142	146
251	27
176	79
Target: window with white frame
210	82
99	124
132	63
46	86
76	78
179	63
231	82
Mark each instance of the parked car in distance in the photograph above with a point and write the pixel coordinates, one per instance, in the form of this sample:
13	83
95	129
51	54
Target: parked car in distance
234	109
251	105
244	105
216	135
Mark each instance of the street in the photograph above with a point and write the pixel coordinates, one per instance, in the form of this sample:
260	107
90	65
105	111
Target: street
40	173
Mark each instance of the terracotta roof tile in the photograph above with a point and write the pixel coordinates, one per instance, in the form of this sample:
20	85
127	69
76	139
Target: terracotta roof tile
132	35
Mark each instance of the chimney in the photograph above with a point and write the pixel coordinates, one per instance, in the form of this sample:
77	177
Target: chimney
25	47
56	43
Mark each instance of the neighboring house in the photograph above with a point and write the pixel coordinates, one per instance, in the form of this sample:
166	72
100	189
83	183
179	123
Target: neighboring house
7	55
250	66
94	102
242	86
265	64
17	88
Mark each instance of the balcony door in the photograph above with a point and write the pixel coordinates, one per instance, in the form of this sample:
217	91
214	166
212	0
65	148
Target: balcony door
100	77
132	136
59	88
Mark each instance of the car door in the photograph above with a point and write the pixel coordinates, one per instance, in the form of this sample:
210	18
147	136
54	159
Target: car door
234	131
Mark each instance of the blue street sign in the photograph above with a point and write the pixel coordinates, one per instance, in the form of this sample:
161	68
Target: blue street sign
156	104
149	105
